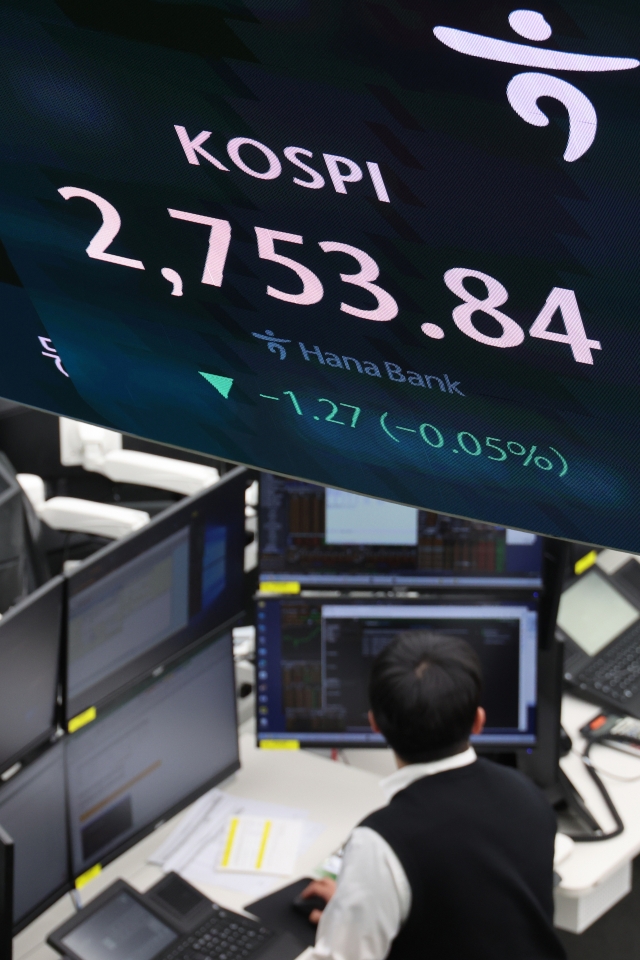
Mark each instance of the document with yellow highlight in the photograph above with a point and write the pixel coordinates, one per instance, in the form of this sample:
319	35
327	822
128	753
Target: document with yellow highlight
261	845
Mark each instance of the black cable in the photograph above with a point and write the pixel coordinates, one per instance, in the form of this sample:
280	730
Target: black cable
593	773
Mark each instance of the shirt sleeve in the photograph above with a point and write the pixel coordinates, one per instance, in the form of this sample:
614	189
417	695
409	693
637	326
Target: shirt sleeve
372	901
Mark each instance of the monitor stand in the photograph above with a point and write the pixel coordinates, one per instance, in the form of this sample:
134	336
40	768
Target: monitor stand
574	818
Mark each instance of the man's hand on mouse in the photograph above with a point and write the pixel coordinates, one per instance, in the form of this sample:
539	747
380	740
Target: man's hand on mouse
319	888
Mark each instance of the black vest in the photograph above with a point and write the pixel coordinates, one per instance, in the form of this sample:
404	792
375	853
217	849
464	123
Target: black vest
476	845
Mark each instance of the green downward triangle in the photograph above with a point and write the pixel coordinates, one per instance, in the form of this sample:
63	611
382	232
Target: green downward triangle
222	384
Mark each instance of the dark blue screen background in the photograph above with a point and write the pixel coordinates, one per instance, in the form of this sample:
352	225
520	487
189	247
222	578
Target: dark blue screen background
523	436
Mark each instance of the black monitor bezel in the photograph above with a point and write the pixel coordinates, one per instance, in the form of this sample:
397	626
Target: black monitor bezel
67	885
448	597
170	812
56	583
137	670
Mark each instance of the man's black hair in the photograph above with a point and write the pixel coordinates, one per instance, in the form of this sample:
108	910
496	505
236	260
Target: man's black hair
424	692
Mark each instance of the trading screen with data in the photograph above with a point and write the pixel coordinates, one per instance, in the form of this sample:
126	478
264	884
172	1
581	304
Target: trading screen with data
141	601
151	754
390	247
316	535
314	658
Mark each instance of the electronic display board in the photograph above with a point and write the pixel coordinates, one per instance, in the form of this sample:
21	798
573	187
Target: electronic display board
386	245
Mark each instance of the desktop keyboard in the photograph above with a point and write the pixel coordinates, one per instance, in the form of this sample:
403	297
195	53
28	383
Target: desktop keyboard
224	936
615	671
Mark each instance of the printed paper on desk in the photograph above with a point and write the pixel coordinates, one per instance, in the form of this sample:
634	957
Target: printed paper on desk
261	845
203	868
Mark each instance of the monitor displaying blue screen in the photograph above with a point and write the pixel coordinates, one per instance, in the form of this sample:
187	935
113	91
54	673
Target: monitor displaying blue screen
314	657
390	247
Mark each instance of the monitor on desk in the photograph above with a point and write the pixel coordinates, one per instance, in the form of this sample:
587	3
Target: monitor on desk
314	658
33	813
320	536
155	751
29	671
143	600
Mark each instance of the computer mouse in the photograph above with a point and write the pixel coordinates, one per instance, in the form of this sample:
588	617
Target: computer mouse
305	905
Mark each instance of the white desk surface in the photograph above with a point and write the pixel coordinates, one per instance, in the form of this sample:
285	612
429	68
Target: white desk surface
591	863
339	795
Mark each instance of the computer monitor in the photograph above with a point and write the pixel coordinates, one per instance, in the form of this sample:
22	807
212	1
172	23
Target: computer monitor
30	636
314	658
33	813
317	535
146	757
140	601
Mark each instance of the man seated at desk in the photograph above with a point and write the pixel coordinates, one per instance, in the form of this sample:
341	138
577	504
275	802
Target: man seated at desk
459	865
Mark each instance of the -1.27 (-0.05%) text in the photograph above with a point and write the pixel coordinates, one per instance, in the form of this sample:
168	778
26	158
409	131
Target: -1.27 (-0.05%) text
493	448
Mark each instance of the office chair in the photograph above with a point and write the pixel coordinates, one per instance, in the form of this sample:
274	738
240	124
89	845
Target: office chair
80	516
99	450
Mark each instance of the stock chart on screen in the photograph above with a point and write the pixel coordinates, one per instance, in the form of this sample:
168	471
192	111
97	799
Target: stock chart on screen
319	536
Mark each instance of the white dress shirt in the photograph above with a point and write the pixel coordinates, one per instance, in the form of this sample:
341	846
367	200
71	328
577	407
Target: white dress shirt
373	898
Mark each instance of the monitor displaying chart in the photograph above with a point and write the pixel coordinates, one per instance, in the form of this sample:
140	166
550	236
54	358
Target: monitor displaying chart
317	536
314	659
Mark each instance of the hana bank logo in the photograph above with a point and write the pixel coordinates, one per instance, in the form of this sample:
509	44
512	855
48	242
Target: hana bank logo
525	89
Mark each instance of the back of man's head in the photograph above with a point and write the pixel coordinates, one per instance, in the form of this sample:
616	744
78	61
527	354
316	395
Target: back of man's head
424	692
